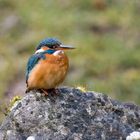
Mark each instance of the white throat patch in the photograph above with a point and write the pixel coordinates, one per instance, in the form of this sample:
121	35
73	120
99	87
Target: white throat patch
39	51
58	52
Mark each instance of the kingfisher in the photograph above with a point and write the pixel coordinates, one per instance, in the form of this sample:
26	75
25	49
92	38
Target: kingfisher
48	66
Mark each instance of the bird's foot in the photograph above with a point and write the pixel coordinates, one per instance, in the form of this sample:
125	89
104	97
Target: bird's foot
45	92
53	91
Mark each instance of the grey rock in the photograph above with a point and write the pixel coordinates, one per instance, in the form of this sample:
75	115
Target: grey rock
71	115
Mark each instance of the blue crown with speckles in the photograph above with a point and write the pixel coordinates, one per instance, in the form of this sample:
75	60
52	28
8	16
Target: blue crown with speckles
49	42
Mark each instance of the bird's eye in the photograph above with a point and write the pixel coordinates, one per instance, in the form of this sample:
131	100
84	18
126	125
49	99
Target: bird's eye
54	47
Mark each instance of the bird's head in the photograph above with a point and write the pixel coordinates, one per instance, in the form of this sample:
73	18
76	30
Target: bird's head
51	43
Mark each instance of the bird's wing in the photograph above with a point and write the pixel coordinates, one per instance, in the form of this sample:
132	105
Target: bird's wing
33	60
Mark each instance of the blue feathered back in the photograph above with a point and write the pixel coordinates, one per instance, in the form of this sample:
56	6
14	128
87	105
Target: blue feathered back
34	59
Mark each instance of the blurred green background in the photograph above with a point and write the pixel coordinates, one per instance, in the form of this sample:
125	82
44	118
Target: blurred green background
106	34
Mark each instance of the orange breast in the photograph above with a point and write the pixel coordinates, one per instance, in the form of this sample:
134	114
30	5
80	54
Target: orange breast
48	73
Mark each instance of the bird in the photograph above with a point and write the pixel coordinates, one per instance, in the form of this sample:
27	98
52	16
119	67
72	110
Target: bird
48	66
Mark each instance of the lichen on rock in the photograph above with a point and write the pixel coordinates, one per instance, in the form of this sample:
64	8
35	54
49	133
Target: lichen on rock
71	115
